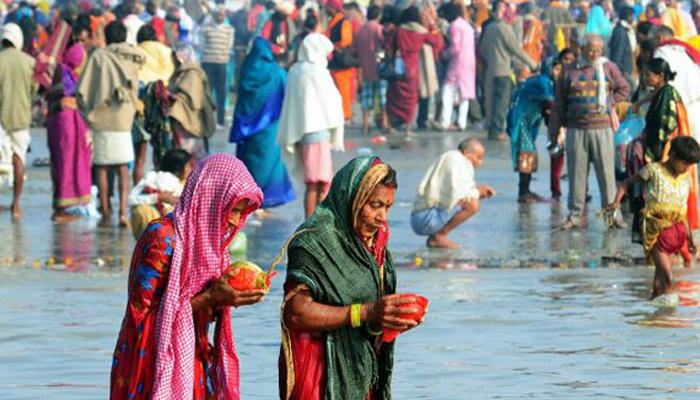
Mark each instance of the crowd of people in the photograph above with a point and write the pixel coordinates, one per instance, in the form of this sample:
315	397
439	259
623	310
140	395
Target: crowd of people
611	83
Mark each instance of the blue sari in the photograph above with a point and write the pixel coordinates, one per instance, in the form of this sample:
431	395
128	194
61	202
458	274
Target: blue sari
598	23
526	113
255	119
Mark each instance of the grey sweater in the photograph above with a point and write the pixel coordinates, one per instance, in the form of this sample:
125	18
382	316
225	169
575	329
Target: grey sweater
501	51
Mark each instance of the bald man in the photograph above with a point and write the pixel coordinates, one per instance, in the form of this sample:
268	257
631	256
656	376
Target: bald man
448	194
584	102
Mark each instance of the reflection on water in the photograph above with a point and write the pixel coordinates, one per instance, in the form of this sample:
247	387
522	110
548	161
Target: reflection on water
518	312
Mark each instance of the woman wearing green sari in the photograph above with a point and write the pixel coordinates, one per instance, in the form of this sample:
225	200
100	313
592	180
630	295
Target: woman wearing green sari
340	292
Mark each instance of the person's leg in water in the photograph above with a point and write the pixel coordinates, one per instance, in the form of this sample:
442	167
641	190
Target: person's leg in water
365	122
663	274
366	101
557	165
439	239
523	187
18	169
385	121
140	150
123	171
311	198
101	178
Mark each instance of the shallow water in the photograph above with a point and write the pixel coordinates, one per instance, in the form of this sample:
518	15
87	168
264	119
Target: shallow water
503	323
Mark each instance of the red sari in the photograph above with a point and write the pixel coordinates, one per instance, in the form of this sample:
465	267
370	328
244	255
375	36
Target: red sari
134	354
402	96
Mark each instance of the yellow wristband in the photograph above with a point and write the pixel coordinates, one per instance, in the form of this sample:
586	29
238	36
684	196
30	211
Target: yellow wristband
355	315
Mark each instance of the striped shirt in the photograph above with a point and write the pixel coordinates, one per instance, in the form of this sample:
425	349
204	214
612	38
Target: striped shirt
217	42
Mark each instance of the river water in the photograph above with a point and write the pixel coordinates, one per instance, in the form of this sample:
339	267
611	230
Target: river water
518	312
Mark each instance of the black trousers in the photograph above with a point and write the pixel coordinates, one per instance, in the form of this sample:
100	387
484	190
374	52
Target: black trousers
216	73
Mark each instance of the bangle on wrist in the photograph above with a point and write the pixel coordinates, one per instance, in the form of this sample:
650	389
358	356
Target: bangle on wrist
372	331
355	315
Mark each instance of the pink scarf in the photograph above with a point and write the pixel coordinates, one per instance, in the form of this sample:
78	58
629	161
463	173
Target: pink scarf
201	255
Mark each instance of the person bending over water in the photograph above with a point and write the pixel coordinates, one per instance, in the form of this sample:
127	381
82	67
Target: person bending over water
448	195
666	229
177	288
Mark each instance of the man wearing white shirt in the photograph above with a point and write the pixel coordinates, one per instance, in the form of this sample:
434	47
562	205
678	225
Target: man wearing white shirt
448	195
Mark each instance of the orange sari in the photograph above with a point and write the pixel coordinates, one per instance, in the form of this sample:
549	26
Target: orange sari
344	78
683	129
533	43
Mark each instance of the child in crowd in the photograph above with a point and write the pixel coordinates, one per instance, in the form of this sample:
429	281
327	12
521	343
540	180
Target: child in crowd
158	192
665	227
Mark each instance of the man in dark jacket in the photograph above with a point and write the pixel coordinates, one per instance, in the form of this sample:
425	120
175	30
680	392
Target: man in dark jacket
623	42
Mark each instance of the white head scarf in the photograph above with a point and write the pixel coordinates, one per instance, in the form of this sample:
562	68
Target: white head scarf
315	49
312	102
13	34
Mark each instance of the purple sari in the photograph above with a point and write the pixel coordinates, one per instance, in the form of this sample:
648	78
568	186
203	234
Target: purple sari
69	147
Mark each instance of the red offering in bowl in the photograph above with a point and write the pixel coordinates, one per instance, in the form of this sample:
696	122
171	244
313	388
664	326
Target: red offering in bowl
248	276
389	335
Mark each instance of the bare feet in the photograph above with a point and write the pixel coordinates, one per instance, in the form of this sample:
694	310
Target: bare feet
61	217
123	221
16	212
500	137
106	221
441	242
530	198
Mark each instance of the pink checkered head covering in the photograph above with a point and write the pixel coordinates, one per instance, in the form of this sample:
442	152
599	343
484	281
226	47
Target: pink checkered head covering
202	234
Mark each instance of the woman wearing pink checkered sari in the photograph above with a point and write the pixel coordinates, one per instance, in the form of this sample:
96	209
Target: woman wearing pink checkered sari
177	288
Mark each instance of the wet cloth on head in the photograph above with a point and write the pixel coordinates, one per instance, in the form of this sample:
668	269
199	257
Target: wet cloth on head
158	62
312	102
193	106
107	92
51	55
215	185
338	269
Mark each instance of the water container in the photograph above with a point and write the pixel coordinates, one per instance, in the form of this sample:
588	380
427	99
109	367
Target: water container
238	249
